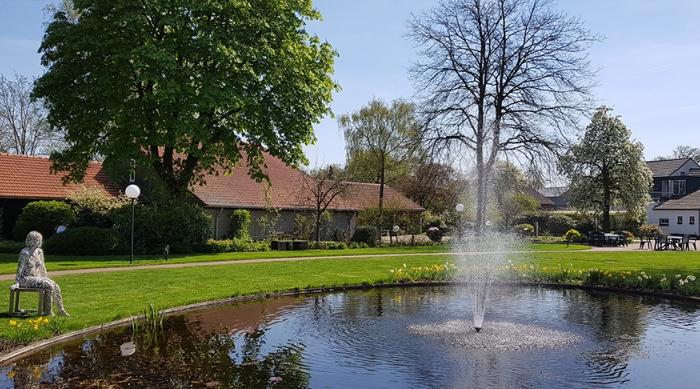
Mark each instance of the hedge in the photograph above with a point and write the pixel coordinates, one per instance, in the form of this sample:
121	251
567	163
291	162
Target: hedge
86	241
43	216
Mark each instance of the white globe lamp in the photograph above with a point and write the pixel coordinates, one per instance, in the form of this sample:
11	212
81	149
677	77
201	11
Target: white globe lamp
132	191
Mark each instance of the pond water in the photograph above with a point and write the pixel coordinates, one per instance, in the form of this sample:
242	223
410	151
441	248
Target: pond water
391	338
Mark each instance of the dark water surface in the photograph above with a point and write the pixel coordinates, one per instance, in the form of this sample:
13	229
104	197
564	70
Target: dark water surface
362	339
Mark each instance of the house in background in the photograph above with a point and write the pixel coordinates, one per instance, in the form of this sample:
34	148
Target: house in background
676	196
558	197
24	179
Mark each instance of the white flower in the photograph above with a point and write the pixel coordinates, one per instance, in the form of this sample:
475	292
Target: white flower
678	276
691	277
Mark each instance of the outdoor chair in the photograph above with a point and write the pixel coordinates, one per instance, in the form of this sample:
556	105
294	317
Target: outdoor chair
660	242
687	241
16	310
622	240
645	242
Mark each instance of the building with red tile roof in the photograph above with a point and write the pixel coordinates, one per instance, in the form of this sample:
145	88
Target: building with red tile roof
24	179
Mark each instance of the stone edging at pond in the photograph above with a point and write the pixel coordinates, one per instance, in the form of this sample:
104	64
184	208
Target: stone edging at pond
32	348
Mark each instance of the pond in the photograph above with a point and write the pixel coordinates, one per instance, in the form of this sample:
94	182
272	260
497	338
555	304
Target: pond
392	337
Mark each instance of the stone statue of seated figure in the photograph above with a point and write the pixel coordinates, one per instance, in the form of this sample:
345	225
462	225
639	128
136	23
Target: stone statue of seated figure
31	272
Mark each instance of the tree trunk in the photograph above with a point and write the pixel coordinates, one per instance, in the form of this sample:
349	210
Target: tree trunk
606	200
318	226
381	193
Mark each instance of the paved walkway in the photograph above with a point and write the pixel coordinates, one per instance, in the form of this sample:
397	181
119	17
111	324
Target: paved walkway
9	277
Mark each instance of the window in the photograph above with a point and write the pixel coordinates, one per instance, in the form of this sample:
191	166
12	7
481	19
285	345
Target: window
673	187
691	220
663	222
680	219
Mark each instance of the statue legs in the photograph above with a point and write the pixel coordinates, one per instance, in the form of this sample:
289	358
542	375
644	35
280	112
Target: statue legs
52	286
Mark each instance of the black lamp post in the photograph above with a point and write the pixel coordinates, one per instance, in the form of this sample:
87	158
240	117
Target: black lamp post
132	192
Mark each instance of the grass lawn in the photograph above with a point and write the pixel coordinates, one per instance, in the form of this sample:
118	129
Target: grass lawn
669	262
102	297
8	262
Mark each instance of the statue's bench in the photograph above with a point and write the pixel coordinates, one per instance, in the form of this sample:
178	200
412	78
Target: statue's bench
15	292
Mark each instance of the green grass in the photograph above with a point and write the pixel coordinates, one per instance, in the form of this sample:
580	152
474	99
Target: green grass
8	262
650	261
102	297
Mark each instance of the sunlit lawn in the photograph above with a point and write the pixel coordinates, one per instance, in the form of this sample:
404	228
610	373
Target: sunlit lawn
8	262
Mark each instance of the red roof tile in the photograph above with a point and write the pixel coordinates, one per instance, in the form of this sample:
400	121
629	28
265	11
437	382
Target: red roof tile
286	191
23	177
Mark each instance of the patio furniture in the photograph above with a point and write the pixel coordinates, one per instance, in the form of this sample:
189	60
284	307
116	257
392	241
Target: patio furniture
596	239
687	241
675	241
645	242
622	239
660	242
16	310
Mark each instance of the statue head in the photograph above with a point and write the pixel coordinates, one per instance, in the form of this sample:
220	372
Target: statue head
34	240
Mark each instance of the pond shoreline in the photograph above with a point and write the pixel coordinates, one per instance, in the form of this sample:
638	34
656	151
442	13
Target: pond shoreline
26	350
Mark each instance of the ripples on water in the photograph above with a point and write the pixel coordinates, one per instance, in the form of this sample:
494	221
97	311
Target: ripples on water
386	338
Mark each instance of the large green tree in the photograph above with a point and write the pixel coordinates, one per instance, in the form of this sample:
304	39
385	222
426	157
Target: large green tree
512	193
607	169
384	134
184	86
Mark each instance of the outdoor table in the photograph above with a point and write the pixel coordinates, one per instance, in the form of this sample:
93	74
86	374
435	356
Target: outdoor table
674	240
612	239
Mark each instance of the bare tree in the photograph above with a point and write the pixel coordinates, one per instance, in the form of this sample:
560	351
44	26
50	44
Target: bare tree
320	188
500	77
23	126
385	132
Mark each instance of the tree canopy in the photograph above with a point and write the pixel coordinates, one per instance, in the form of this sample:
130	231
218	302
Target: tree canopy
380	135
607	169
183	86
683	151
23	126
500	77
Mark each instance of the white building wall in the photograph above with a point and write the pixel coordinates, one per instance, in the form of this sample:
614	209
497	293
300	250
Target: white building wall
655	215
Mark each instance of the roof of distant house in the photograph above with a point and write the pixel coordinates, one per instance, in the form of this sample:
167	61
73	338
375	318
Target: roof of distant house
287	191
666	167
25	177
543	200
553	191
688	202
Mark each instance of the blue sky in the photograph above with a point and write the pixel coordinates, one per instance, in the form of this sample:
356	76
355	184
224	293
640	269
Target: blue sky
649	62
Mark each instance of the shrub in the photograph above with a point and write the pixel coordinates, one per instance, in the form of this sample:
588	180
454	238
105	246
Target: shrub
236	245
93	207
649	230
182	225
434	234
240	224
43	216
86	241
525	229
328	245
574	236
10	247
549	223
366	234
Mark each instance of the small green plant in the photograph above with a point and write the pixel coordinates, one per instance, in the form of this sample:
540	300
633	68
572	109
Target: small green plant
366	234
573	236
148	329
29	330
525	229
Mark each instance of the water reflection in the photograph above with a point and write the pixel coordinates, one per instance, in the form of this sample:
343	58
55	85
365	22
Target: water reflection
361	339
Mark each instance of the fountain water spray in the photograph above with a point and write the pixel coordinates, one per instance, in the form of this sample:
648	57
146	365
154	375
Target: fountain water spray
482	260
